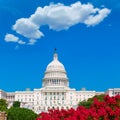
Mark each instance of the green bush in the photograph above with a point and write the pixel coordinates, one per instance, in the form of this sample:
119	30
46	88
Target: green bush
3	105
16	104
16	113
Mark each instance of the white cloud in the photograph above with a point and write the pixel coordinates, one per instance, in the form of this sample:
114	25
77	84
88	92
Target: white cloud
59	17
96	19
32	42
11	38
27	28
21	42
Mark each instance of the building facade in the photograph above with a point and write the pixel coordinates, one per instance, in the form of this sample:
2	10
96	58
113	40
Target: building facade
113	92
55	91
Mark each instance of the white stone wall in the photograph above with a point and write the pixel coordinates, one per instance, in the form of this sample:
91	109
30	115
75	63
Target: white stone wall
49	97
26	98
10	97
113	92
3	94
37	100
84	95
0	94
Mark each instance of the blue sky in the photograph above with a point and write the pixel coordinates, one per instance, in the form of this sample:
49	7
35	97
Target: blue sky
85	33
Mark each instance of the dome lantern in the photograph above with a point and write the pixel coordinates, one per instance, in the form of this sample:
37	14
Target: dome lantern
55	56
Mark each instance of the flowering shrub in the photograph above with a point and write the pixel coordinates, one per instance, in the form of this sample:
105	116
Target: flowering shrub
109	109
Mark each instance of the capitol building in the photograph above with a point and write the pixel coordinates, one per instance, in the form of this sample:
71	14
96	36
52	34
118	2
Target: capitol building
55	91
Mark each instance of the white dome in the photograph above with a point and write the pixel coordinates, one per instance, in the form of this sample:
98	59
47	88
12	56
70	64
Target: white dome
55	65
55	74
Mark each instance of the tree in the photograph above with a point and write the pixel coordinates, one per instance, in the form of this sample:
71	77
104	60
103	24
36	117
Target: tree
3	105
16	104
16	113
90	100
